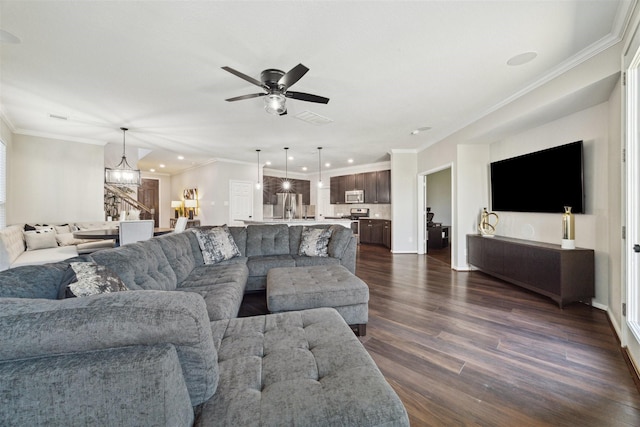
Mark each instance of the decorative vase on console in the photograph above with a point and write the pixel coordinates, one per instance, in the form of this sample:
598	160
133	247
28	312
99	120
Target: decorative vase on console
568	229
488	223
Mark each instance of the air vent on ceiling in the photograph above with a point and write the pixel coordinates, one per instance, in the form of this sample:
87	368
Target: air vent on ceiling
313	118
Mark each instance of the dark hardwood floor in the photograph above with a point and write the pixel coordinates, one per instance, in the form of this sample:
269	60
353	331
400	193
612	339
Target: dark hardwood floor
463	348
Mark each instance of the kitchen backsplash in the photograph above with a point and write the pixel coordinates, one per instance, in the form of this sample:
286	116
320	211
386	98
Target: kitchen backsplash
375	210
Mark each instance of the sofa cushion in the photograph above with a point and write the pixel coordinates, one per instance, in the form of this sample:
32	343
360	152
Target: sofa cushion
340	238
88	278
260	265
181	254
140	265
314	242
305	261
216	244
32	281
272	239
43	256
221	286
297	368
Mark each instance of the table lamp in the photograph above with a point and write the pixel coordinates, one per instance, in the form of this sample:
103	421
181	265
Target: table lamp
177	205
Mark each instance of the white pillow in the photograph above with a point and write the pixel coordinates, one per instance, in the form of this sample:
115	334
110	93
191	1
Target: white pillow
67	239
40	239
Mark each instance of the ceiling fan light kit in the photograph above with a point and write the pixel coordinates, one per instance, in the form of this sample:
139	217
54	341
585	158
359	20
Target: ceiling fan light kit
276	84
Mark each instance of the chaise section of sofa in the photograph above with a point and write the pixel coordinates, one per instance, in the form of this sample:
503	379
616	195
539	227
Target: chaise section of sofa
126	358
297	368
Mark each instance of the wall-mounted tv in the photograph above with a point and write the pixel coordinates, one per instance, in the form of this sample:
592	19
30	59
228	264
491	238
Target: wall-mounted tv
544	181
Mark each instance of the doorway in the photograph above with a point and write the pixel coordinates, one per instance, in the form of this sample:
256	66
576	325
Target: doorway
149	195
435	227
241	206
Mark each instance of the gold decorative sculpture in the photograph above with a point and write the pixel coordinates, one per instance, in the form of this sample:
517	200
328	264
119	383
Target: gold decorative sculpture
488	223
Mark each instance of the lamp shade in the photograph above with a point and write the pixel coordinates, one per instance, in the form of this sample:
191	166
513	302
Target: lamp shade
191	203
176	203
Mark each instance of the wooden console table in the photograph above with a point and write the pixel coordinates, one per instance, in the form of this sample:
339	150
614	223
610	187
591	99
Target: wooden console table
564	275
190	222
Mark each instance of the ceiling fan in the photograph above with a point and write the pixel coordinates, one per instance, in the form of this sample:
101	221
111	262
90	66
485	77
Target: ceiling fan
276	83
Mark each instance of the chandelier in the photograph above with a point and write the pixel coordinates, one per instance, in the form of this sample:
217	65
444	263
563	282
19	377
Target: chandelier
123	174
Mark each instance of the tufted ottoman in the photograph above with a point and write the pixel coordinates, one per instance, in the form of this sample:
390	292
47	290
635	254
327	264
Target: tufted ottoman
301	288
300	368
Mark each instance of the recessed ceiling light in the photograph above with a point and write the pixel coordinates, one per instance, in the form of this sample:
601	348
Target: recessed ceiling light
418	130
327	165
161	165
522	58
304	168
268	163
152	170
180	157
350	160
290	157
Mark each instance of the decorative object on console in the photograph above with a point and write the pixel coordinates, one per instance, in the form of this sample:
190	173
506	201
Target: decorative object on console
190	196
488	226
177	205
123	174
191	205
568	229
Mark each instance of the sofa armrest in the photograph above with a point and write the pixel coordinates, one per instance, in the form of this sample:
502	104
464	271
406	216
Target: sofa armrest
36	328
140	385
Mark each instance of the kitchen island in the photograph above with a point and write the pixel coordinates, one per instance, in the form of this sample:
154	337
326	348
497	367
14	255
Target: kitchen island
343	222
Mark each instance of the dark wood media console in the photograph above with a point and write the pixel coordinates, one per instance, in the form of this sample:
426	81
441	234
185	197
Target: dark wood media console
564	275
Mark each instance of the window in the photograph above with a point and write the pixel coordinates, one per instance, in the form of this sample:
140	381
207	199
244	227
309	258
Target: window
3	185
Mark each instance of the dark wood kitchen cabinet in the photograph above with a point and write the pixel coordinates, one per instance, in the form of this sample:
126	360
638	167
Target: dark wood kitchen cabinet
564	275
377	187
336	190
375	232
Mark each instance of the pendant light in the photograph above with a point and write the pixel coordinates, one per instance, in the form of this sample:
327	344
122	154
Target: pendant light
258	182
319	167
122	174
286	185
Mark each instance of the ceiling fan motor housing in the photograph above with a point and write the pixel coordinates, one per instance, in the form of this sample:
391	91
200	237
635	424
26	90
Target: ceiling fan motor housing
271	77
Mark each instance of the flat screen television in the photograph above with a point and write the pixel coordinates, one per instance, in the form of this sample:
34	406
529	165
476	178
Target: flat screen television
543	181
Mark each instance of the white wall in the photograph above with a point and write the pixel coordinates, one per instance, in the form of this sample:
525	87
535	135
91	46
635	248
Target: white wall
55	181
404	210
212	182
592	229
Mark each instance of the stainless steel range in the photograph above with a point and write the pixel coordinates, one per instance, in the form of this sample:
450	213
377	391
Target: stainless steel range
356	215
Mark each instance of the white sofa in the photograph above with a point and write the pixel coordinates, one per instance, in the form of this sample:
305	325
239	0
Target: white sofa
19	248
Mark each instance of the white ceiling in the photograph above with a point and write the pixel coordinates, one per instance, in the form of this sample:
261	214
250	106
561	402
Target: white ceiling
388	67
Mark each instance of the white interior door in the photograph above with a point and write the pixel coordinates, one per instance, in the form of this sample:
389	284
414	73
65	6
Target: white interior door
324	202
241	206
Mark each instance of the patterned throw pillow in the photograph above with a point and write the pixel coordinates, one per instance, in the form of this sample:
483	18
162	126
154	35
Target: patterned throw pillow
314	241
217	244
88	278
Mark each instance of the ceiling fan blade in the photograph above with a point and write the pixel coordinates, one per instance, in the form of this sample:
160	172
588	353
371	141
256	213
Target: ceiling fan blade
240	98
306	97
243	76
293	75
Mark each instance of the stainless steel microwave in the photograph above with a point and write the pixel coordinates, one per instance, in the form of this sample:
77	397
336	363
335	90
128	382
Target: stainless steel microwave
354	196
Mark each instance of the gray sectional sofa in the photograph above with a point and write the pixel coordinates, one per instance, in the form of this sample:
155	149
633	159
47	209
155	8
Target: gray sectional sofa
170	350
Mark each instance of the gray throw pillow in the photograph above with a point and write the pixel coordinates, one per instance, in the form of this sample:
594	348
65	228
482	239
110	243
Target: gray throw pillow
314	242
88	278
217	244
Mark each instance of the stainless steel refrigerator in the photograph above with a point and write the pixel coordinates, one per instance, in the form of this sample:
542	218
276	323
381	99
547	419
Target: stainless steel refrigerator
288	206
